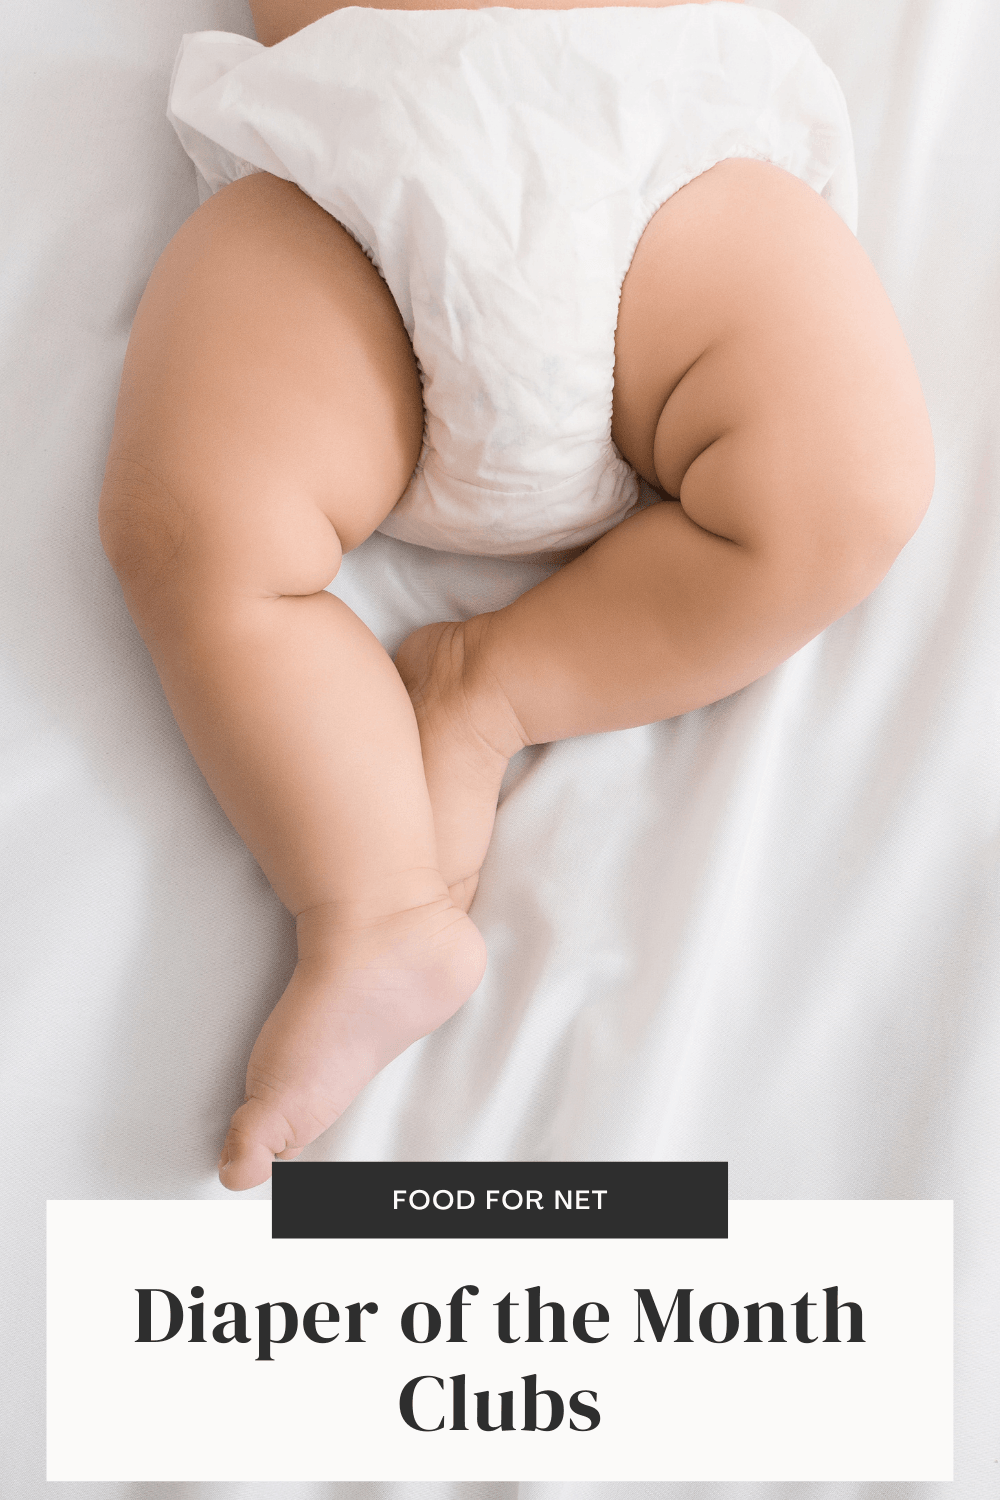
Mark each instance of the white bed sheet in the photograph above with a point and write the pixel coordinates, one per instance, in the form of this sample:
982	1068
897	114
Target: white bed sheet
765	932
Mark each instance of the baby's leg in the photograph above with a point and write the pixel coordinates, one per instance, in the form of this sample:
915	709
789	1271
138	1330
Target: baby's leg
269	418
762	380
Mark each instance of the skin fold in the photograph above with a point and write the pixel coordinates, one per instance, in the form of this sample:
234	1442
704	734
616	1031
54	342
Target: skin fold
270	417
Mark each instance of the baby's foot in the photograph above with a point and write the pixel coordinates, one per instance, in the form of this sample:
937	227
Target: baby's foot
468	733
364	988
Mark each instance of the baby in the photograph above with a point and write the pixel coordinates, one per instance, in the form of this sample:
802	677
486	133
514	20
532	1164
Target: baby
704	319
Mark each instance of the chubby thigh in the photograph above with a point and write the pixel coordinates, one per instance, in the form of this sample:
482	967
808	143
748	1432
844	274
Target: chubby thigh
269	414
762	379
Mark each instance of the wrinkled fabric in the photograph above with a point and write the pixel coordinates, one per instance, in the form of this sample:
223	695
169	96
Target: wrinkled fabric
499	167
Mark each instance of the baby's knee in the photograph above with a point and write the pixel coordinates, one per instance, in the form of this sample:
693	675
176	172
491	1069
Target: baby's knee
841	525
890	506
874	491
821	489
818	512
142	529
175	546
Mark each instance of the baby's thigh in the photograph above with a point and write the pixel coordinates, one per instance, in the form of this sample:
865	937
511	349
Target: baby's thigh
270	411
761	376
275	19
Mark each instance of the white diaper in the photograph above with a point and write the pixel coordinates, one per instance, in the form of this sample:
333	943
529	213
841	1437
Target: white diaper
499	166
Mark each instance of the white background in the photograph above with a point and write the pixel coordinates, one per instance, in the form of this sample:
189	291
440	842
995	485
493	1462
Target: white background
177	1410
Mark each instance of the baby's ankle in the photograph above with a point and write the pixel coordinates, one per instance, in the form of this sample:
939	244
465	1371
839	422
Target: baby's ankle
411	896
423	960
482	684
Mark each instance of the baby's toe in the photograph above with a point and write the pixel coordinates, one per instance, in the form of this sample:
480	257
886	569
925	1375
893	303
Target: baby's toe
258	1133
